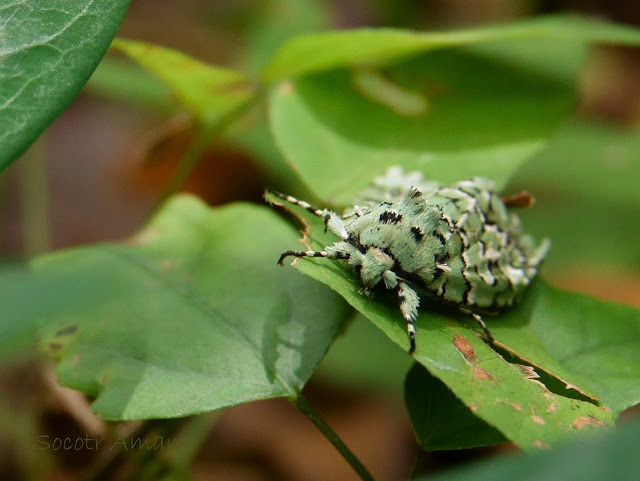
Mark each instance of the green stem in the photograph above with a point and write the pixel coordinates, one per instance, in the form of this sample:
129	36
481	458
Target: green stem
202	140
191	438
301	403
3	193
106	467
148	463
34	199
186	164
420	463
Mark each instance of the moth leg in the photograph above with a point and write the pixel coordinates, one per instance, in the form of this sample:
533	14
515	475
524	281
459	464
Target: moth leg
332	221
480	321
330	255
409	301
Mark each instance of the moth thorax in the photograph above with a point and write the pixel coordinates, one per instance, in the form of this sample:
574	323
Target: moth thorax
374	264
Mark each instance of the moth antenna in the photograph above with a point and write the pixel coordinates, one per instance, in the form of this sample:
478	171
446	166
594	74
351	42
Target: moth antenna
300	203
332	221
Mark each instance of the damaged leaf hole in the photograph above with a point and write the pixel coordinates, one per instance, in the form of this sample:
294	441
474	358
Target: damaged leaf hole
547	381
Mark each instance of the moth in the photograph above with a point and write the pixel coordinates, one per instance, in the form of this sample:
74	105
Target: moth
455	243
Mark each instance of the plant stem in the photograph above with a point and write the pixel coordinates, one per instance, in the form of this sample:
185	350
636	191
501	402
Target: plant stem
34	199
186	164
419	464
106	467
148	463
199	145
301	403
192	436
3	199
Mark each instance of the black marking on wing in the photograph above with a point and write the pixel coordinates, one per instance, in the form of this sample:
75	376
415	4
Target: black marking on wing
436	274
492	266
357	242
441	258
477	271
452	227
389	217
439	236
417	233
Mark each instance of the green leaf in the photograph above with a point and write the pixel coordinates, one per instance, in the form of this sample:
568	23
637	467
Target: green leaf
362	357
46	56
542	57
209	93
377	47
19	311
502	394
588	160
439	419
589	174
338	136
606	456
191	315
599	234
596	343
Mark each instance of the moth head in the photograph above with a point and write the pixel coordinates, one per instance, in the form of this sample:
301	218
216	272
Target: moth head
374	264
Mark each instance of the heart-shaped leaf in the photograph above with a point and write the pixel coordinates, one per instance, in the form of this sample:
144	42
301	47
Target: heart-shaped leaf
191	315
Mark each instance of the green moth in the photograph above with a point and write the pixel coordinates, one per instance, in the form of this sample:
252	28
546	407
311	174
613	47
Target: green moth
455	243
